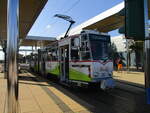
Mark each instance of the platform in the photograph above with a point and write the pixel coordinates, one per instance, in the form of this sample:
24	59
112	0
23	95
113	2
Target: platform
132	77
38	96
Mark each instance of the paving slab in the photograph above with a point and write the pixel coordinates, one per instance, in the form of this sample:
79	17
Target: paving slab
38	96
65	102
2	93
131	77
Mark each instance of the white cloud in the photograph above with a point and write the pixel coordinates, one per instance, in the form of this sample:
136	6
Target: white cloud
48	26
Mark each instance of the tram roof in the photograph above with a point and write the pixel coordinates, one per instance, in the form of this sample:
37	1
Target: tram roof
29	11
104	22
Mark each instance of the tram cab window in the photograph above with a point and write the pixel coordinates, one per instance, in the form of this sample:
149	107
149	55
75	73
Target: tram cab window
75	42
85	51
100	46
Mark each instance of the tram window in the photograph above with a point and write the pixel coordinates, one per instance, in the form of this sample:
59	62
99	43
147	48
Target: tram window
52	55
84	37
49	56
75	42
85	51
72	42
74	54
55	55
85	55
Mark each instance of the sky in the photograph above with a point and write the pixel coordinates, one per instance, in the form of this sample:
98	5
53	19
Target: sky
80	10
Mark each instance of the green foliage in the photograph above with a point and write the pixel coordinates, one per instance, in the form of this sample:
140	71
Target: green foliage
113	51
137	46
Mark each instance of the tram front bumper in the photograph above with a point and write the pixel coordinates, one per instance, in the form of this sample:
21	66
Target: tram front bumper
107	83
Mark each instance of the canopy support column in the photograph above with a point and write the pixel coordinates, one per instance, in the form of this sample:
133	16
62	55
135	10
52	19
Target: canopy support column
12	49
147	52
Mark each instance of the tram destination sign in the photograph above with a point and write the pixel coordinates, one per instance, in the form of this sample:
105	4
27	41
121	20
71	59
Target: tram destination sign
100	37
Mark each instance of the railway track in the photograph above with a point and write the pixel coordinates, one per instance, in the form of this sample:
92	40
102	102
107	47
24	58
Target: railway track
123	99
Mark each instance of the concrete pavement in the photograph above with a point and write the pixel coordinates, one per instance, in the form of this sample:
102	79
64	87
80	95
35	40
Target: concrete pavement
130	77
38	96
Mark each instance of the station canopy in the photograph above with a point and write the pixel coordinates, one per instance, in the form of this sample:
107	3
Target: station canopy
30	9
37	41
106	21
111	19
28	13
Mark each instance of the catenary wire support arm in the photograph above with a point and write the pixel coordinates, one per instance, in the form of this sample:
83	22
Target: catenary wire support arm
71	23
67	18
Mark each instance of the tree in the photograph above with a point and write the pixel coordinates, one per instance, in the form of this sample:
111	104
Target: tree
114	54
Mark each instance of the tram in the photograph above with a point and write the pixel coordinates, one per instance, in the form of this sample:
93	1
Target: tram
82	59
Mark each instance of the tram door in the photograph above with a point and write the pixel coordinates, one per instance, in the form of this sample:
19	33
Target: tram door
64	63
43	66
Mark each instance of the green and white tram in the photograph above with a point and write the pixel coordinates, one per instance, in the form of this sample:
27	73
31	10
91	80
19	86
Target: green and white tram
81	59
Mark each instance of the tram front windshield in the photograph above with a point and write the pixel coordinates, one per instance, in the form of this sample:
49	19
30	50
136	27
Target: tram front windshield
99	46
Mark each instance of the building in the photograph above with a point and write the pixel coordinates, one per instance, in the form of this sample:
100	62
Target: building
120	43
